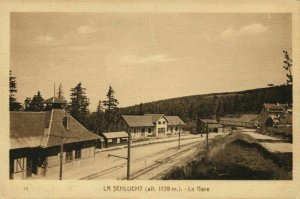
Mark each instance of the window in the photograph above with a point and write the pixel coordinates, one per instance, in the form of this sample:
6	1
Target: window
135	130
161	130
69	156
176	128
149	130
164	122
143	130
171	129
109	140
66	122
19	165
159	122
77	153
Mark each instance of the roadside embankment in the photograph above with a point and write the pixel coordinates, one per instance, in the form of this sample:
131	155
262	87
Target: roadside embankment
236	156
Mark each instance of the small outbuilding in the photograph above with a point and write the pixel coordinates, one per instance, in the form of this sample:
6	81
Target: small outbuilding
115	138
209	125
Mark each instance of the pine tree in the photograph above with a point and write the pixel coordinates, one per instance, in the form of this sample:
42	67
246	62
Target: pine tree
99	107
35	104
288	63
96	120
141	109
13	104
79	104
27	104
60	93
111	109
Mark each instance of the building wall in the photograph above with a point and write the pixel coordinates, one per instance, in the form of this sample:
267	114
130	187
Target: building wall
51	161
142	132
174	129
86	158
115	141
161	127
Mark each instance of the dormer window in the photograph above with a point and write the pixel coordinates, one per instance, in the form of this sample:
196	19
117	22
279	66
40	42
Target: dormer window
66	122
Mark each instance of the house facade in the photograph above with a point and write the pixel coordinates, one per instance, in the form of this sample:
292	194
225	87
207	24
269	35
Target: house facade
174	125
150	125
209	125
276	115
36	138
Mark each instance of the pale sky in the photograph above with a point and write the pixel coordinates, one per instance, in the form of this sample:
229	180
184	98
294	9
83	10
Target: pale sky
147	56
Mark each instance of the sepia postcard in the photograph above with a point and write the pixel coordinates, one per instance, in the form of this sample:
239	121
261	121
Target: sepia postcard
149	99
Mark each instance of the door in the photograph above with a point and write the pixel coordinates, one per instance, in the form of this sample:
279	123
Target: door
29	167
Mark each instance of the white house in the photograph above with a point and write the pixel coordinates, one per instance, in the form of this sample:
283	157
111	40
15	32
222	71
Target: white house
150	125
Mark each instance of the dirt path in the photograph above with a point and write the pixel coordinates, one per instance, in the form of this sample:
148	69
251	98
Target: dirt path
271	143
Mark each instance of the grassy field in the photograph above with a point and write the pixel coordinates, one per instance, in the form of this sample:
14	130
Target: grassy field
236	157
284	133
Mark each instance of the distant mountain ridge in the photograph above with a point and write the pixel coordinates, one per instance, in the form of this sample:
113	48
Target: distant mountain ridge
214	104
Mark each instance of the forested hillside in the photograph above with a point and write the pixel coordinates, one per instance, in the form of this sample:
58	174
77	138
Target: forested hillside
219	104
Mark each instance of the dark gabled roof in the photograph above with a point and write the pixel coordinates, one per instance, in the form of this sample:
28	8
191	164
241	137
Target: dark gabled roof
26	129
76	132
119	134
54	100
174	120
138	120
38	129
155	117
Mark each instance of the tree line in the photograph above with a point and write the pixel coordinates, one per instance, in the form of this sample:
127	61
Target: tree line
103	119
215	105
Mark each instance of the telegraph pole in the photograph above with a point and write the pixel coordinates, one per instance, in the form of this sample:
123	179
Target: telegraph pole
128	155
207	135
179	135
62	140
61	157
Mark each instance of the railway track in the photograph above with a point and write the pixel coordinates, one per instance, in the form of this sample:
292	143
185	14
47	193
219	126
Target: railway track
159	163
144	170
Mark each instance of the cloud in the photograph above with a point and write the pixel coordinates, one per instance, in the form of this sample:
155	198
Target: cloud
133	59
45	40
95	47
249	30
85	30
228	33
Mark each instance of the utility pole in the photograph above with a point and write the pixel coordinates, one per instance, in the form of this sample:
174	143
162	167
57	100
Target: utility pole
61	157
128	155
207	135
179	135
62	141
